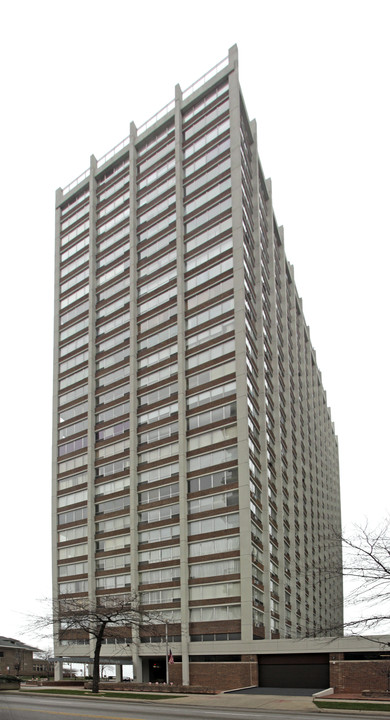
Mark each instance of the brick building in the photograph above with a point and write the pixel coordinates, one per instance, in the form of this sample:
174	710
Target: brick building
16	658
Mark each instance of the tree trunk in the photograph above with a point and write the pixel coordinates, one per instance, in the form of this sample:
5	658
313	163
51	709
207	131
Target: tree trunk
96	658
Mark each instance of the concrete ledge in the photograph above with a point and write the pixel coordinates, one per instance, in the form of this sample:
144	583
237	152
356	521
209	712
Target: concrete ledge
323	693
154	688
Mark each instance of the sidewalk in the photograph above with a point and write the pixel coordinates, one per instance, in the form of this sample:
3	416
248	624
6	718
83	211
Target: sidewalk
233	700
250	702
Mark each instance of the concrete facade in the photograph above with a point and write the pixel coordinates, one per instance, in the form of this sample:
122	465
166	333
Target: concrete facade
195	462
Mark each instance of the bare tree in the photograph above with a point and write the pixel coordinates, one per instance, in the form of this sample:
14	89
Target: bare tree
367	565
72	618
366	571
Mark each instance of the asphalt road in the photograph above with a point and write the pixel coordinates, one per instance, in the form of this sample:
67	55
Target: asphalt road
28	707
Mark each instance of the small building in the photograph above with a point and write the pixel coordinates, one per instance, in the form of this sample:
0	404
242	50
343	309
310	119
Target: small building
16	658
43	668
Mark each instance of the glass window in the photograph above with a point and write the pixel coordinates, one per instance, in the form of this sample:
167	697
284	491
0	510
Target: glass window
207	177
216	352
212	333
113	467
161	473
212	547
160	394
158	338
216	590
113	486
206	138
160	413
163	374
73	551
212	437
207	196
213	502
210	395
208	215
209	254
159	433
213	480
165	512
164	451
212	613
217	457
213	524
161	493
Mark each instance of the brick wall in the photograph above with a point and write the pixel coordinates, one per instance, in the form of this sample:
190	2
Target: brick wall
225	676
19	662
350	676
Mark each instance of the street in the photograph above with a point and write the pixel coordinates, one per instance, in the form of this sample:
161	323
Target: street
28	707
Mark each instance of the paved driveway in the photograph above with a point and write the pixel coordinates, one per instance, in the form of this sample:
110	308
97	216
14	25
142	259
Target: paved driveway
292	692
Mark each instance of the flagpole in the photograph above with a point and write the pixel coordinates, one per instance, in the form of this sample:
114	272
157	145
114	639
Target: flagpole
166	654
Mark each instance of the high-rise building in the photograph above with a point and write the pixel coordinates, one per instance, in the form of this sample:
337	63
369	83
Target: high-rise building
195	461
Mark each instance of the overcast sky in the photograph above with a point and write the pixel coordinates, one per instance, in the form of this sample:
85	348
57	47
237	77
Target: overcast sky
315	75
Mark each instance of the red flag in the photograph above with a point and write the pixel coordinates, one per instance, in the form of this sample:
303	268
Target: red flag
170	658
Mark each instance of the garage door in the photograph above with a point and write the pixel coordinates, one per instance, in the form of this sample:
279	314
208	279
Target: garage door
294	671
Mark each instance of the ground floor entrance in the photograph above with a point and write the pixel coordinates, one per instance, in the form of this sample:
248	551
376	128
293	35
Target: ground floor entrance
157	670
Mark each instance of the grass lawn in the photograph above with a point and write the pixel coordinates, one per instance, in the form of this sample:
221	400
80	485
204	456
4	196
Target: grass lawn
88	693
361	705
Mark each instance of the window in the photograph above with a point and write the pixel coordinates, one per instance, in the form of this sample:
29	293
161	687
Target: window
113	524
213	480
163	374
73	551
160	413
160	555
164	575
212	333
211	313
213	502
213	524
72	516
160	453
212	417
211	547
112	487
217	590
72	498
156	395
80	568
112	563
159	433
166	512
213	613
77	586
212	437
214	353
166	471
114	543
113	581
159	534
115	505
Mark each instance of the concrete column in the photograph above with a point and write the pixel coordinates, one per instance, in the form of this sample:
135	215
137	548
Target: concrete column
58	670
257	172
240	348
185	636
133	389
91	389
118	673
59	197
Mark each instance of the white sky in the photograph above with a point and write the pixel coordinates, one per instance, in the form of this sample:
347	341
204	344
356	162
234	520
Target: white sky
315	75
